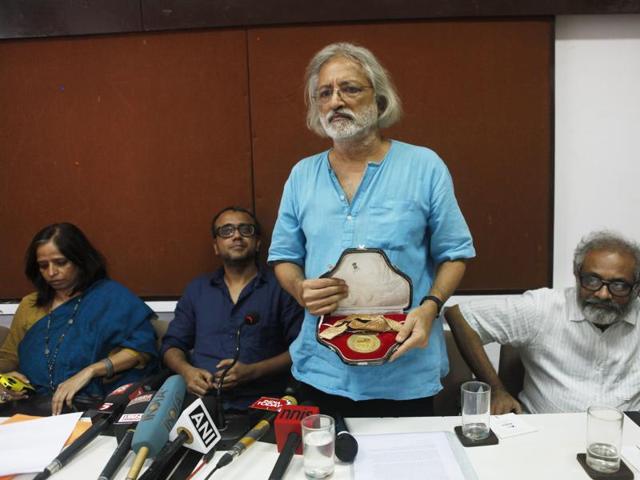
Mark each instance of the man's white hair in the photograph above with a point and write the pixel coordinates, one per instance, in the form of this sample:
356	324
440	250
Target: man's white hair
606	240
387	99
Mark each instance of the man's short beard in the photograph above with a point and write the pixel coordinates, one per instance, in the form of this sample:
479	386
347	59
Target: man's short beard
608	313
349	128
247	259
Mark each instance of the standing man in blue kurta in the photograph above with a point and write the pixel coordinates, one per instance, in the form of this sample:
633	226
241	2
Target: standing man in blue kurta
201	340
374	192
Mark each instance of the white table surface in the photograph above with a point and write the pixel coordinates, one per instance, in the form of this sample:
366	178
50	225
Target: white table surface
549	453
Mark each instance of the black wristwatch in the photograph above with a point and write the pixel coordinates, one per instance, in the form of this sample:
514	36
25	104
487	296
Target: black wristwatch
439	303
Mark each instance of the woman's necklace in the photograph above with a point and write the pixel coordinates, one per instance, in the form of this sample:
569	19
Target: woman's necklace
51	359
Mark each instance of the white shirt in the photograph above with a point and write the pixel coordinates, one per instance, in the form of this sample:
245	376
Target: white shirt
569	363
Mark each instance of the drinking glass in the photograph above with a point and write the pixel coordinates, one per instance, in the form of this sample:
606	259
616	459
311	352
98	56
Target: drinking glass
318	443
476	405
604	438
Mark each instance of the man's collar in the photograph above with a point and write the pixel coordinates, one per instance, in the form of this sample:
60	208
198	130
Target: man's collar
217	277
574	313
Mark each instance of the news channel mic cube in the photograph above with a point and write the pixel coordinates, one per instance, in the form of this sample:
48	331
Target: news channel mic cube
376	287
289	421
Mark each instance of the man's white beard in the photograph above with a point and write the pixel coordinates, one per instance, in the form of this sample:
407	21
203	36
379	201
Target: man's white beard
345	128
603	317
600	316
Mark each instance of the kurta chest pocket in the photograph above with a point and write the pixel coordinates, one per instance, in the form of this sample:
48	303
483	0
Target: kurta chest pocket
392	224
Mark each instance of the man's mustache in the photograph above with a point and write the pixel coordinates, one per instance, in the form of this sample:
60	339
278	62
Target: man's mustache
340	113
604	303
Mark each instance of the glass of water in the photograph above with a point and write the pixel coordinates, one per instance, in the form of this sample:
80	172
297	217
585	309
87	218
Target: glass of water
318	442
476	405
604	438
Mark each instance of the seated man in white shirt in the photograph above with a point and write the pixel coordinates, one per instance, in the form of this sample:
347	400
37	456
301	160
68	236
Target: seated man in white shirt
579	346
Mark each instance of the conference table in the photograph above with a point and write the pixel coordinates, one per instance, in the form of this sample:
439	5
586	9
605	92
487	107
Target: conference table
548	453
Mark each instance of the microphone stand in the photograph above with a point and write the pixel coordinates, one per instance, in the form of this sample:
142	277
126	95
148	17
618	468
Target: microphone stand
221	421
232	431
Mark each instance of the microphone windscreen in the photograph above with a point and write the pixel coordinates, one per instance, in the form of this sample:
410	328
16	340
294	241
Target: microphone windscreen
346	444
346	447
132	414
251	318
160	416
118	399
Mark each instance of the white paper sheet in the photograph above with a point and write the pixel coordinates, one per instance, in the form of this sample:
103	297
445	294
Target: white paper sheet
510	425
406	456
631	454
31	445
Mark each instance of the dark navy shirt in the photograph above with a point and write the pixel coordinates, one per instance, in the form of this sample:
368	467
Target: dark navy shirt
206	321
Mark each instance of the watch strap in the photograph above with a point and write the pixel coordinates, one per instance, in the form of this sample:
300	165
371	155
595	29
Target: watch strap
439	303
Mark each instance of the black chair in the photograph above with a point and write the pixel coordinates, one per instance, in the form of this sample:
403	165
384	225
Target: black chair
511	370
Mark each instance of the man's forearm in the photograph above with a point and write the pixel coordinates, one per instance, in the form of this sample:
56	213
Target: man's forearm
176	360
273	365
471	348
290	275
448	276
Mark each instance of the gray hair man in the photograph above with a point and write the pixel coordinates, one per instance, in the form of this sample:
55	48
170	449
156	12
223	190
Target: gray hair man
579	346
367	191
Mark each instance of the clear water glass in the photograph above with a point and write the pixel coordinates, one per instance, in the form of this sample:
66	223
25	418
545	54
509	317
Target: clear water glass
476	408
604	438
318	444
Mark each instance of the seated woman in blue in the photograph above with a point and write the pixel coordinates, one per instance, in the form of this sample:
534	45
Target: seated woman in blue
79	332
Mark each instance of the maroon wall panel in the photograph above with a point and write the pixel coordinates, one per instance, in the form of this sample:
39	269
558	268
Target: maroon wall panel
478	92
138	139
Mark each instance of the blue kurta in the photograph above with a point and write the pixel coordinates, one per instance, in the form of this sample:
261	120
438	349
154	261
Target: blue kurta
404	205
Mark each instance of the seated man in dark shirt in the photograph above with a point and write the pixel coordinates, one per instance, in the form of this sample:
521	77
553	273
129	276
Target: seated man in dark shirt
201	339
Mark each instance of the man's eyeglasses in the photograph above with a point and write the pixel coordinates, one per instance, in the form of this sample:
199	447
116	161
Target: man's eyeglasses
228	229
345	91
617	288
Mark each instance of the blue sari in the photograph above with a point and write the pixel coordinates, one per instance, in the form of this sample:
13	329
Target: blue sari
107	316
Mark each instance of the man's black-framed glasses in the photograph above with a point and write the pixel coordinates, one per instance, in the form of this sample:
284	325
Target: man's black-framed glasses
228	229
617	288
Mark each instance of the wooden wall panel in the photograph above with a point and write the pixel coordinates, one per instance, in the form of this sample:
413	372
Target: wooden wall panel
138	139
477	92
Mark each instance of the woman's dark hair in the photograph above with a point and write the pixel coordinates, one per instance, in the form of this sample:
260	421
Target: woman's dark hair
75	246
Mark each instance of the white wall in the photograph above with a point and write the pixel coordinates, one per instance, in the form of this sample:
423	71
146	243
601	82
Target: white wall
597	148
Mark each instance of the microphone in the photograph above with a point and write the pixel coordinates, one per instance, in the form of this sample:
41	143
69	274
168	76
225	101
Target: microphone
346	444
252	436
194	429
158	419
128	420
289	435
250	319
107	412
